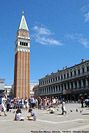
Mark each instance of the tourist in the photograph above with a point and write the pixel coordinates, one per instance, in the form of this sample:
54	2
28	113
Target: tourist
82	100
26	103
22	103
32	116
2	105
8	103
54	102
63	107
51	110
39	102
36	102
45	103
18	115
15	103
32	102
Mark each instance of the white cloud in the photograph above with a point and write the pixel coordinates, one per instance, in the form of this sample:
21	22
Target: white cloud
84	8
48	41
43	36
84	42
85	11
73	36
42	30
86	17
79	38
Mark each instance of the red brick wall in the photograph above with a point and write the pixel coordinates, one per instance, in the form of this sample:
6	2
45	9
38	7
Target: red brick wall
22	75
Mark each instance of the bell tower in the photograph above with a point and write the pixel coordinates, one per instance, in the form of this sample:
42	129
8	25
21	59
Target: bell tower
22	61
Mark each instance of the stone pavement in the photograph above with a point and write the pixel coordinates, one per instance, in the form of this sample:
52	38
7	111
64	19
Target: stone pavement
48	123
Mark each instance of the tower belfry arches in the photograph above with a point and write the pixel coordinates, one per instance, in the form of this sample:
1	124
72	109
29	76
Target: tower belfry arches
22	61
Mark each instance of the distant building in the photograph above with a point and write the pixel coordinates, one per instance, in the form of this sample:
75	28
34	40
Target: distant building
32	85
2	84
9	91
69	83
36	91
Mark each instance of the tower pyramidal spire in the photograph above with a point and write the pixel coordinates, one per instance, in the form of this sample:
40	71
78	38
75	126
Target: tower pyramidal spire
22	61
23	24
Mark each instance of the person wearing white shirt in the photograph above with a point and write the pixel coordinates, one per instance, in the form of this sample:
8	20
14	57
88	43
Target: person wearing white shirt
2	105
63	108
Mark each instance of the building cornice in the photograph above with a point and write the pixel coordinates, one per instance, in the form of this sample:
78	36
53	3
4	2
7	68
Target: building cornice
60	71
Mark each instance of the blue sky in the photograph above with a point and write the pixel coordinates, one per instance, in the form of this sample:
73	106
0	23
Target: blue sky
59	32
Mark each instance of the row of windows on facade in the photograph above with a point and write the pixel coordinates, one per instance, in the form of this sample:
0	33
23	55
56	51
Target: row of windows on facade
74	85
23	44
61	77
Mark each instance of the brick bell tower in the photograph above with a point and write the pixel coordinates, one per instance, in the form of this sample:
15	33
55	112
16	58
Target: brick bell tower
22	61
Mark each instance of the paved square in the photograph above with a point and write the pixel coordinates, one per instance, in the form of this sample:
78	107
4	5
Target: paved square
72	121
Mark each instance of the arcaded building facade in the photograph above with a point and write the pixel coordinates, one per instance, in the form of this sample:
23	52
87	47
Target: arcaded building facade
22	61
69	83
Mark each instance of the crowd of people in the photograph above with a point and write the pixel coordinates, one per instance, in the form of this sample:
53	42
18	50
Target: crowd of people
41	103
32	102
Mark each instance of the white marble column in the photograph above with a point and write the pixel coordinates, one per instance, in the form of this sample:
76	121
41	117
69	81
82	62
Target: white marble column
60	88
81	83
43	91
69	74
73	85
66	75
48	90
57	78
55	89
76	71
66	86
73	73
63	87
85	67
50	80
81	70
86	82
60	77
77	84
70	85
63	75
